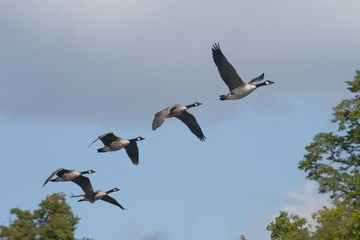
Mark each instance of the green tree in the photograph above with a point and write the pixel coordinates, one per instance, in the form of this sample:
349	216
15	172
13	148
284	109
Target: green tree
338	223
242	237
54	220
333	159
288	227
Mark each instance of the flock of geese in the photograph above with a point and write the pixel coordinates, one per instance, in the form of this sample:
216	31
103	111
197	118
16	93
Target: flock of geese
237	90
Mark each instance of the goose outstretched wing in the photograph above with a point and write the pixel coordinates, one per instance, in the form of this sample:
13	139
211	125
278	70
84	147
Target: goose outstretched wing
192	124
160	118
226	70
84	183
106	138
257	79
133	152
60	170
111	200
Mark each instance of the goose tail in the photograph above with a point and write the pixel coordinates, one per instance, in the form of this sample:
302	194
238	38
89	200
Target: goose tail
223	97
100	150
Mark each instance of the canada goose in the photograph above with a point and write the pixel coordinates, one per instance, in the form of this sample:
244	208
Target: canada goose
101	195
65	175
179	111
114	143
238	88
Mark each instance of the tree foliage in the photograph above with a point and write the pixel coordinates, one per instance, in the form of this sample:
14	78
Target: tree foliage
333	159
54	220
338	223
242	237
341	222
288	227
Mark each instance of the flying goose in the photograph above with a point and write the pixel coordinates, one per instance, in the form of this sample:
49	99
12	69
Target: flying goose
114	143
101	195
238	88
65	175
179	111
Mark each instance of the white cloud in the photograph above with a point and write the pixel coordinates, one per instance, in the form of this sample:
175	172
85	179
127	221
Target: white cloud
305	200
87	60
302	201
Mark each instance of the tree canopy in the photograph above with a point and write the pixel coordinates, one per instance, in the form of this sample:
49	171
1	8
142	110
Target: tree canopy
288	227
54	220
337	223
333	159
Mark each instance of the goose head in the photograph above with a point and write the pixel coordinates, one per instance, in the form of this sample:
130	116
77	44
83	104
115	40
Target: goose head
195	104
139	138
268	82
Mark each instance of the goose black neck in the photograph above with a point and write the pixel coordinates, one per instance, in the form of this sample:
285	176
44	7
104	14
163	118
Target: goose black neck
191	105
110	191
85	172
261	84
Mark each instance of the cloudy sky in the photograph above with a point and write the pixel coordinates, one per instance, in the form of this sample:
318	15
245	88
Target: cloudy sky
73	70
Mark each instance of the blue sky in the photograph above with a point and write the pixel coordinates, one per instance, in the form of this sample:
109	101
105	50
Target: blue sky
71	71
